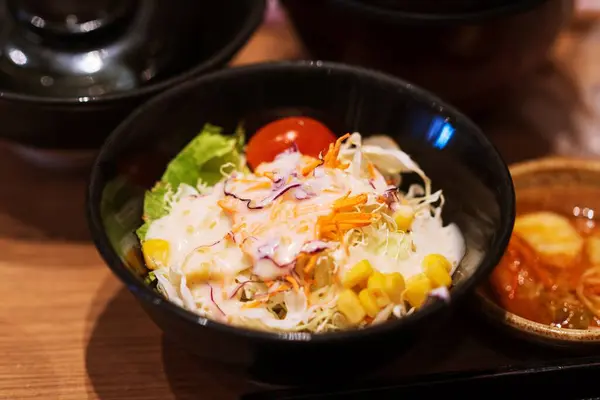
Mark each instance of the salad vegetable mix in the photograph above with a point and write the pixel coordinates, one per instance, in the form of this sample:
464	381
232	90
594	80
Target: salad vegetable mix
297	231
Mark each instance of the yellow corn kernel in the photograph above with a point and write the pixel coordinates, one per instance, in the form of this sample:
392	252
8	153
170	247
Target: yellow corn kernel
437	268
358	274
394	286
156	253
417	289
437	259
369	302
404	217
376	286
349	304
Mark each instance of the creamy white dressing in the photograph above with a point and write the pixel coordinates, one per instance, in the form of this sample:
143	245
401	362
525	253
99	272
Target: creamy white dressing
255	226
288	223
194	221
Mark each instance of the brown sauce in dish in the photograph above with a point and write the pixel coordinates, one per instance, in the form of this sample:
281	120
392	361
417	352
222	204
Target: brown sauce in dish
550	272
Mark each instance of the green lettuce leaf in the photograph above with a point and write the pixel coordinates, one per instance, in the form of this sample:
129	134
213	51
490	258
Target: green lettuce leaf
156	205
201	161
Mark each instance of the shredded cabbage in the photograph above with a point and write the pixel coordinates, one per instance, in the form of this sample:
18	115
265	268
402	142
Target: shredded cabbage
340	206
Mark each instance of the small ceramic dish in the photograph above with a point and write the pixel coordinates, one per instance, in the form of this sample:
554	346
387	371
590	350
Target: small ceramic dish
579	182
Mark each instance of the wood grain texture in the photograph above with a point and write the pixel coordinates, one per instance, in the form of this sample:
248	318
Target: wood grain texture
69	330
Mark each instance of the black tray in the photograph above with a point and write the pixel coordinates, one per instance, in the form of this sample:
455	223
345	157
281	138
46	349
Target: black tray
470	358
574	379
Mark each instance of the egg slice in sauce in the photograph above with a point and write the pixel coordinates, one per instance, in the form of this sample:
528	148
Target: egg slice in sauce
550	272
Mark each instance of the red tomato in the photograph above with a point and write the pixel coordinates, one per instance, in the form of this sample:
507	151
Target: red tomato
311	137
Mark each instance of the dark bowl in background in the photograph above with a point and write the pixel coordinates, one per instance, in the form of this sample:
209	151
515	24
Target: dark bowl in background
451	149
469	52
201	35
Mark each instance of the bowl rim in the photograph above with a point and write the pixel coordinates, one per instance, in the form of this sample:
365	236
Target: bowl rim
144	293
514	321
254	18
391	15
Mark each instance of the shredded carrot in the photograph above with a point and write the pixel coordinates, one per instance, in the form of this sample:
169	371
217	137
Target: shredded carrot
276	209
259	229
333	226
307	291
243	180
308	209
225	206
246	251
345	225
280	288
336	280
346	202
339	232
269	283
303	229
269	175
372	171
331	157
261	185
332	236
311	264
238	228
311	167
294	283
251	304
327	157
353	215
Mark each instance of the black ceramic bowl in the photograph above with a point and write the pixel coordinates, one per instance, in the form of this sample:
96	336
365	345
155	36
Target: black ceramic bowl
66	86
469	52
453	151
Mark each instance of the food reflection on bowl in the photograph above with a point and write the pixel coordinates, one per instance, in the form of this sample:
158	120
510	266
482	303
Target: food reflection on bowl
548	282
456	156
468	56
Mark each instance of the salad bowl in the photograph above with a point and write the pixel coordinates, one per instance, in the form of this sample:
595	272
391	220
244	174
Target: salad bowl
457	157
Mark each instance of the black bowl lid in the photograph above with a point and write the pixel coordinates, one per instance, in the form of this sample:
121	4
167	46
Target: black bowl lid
70	52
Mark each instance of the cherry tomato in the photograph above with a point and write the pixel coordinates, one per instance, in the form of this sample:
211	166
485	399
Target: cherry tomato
310	136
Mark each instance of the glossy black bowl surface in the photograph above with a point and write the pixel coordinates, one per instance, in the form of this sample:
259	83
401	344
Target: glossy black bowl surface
471	55
454	152
68	85
436	11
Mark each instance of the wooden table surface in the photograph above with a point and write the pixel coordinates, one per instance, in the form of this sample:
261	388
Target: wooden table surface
70	330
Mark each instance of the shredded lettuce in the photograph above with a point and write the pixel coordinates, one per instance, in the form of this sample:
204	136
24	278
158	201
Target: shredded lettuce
150	279
391	244
198	164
